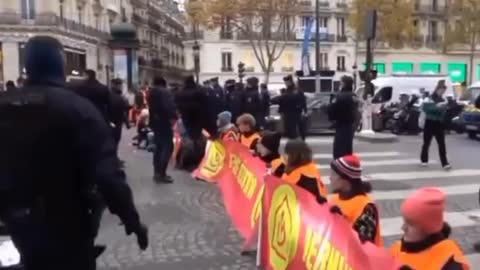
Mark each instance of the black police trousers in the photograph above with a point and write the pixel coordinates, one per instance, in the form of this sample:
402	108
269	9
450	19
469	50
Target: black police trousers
343	140
163	150
294	126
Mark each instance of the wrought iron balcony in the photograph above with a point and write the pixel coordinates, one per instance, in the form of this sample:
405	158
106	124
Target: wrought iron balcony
198	35
52	21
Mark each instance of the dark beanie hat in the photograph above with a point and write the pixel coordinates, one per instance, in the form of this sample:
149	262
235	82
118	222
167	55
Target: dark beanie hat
348	167
252	81
271	141
44	60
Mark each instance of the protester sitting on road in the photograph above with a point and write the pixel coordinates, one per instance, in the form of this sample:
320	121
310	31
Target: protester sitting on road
268	151
226	129
425	243
249	137
142	130
300	169
351	196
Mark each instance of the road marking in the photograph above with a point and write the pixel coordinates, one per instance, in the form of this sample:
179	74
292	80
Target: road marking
423	174
393	226
407	176
402	194
387	162
361	155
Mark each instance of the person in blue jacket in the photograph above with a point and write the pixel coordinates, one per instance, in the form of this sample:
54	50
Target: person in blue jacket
58	160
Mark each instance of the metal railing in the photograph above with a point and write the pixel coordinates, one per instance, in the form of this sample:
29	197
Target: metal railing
52	20
198	35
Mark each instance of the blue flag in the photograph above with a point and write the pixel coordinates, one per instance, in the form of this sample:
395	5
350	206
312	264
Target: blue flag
306	46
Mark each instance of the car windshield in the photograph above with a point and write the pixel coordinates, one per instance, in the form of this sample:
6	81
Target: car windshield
474	92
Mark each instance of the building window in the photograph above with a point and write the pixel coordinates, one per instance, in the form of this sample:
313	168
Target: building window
323	22
433	30
61	9
28	9
341	27
227	61
80	15
341	63
434	5
226	29
323	60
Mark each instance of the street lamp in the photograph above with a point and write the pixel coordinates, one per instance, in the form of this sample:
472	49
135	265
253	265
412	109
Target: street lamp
196	60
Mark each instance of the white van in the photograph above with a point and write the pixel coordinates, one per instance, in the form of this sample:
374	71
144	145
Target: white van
389	88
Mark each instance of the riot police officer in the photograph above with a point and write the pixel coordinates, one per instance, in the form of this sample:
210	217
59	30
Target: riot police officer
252	98
57	152
235	98
292	106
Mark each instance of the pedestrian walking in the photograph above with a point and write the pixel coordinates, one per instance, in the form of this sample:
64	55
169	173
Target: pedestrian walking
268	149
57	157
343	112
235	100
249	137
163	114
300	169
227	131
426	242
118	112
292	105
353	199
96	92
435	108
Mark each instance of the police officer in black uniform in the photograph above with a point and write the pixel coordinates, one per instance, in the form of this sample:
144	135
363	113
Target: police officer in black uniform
252	98
56	152
235	100
292	106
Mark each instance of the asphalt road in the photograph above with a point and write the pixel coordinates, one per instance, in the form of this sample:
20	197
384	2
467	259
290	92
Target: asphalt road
190	230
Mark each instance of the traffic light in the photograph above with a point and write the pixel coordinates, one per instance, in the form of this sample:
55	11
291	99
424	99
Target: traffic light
241	70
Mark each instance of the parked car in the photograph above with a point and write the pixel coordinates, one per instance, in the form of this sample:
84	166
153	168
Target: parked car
469	119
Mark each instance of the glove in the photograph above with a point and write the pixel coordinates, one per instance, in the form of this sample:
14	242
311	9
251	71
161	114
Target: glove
336	210
406	267
321	199
142	236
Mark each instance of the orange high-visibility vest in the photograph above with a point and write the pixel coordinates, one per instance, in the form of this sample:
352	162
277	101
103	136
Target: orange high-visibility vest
277	163
248	141
309	170
353	208
433	258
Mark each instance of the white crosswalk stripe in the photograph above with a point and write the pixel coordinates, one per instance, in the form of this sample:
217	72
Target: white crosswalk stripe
401	169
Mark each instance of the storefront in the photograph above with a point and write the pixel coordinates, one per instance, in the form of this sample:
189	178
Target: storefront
402	67
430	68
379	67
457	72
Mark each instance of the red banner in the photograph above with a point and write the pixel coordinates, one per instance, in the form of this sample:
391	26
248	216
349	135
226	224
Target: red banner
240	178
242	188
213	164
298	233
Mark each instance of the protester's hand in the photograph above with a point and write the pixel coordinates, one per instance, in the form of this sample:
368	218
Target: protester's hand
142	236
406	267
336	210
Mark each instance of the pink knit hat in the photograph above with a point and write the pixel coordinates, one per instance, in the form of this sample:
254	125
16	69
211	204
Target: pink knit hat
424	209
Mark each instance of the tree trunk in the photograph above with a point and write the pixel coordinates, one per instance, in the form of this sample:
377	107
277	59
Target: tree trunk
267	76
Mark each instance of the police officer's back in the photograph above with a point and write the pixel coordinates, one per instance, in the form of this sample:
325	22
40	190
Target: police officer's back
56	152
95	92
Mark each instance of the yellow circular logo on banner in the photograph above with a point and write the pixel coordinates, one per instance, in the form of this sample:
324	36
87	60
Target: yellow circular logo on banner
215	159
283	227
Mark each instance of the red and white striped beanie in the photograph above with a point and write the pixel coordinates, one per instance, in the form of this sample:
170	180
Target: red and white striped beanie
348	167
